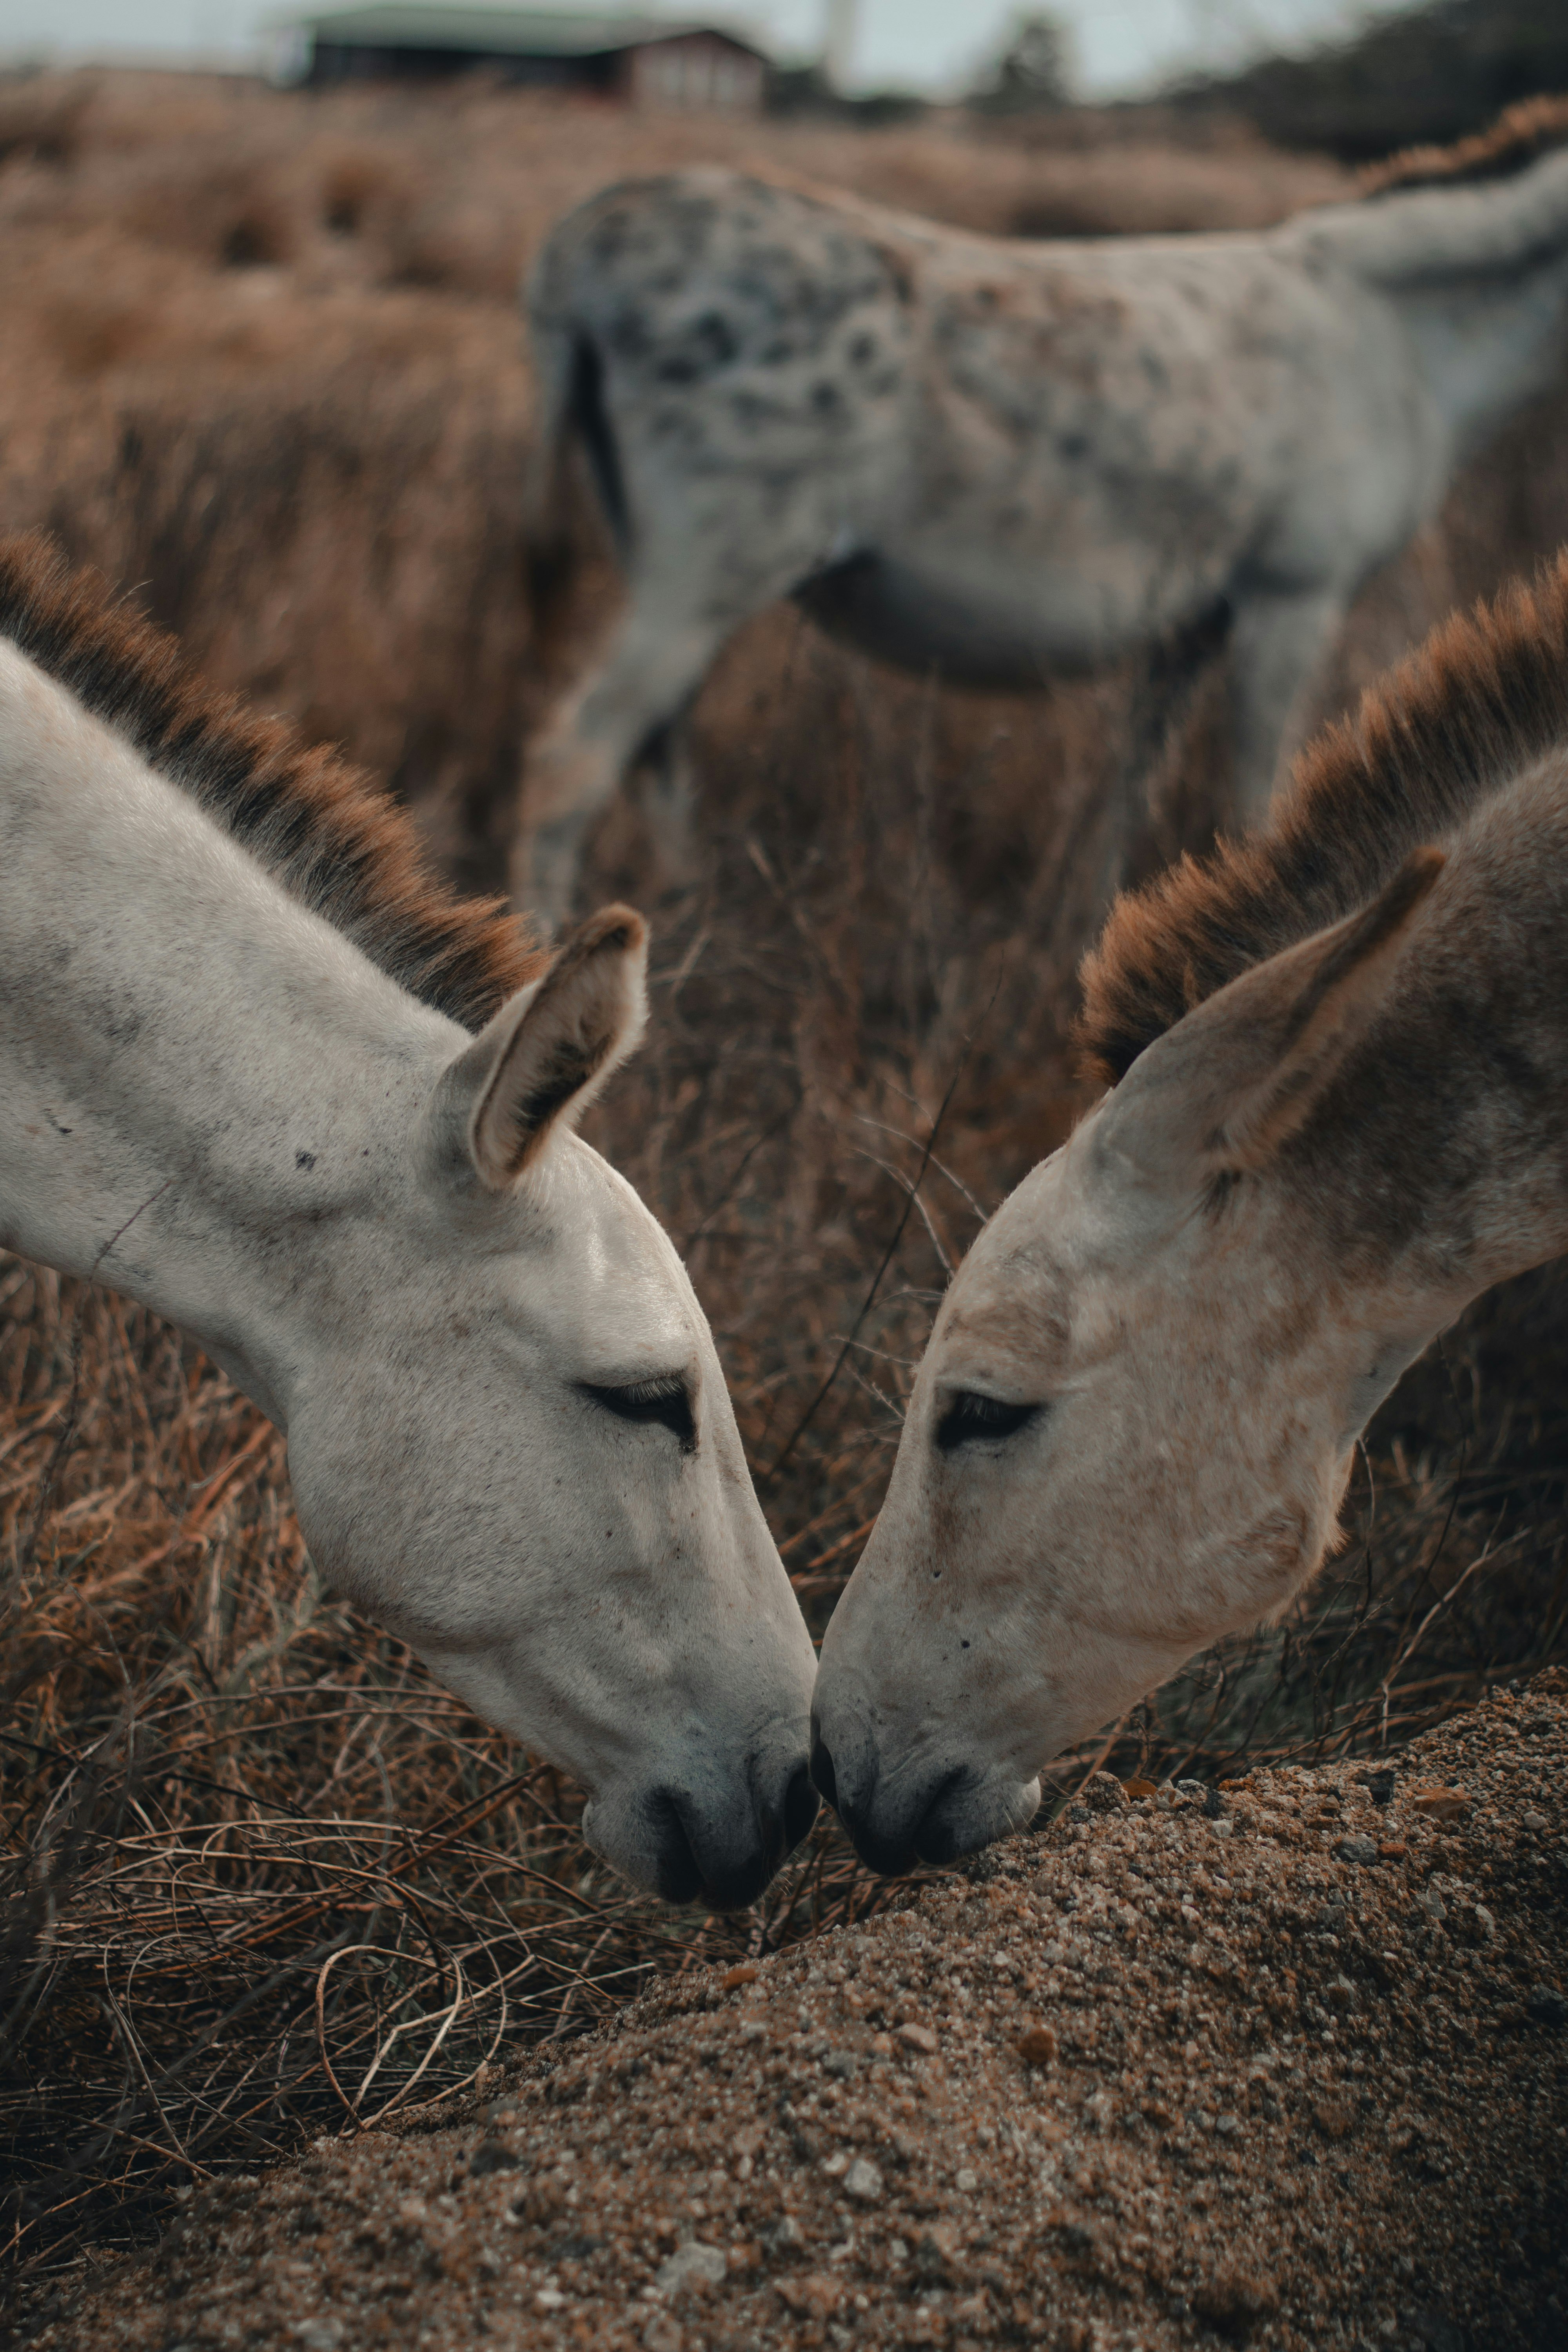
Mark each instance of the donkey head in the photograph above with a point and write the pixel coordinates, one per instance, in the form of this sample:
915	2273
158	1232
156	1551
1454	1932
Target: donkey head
1133	1425
529	1468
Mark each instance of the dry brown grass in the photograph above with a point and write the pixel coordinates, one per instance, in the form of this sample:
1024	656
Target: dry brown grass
457	188
260	365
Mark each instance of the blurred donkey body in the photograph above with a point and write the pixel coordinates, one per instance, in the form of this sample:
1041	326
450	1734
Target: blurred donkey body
1003	461
1337	1057
239	1081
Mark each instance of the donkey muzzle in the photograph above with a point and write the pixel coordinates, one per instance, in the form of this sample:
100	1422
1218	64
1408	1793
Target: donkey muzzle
930	1810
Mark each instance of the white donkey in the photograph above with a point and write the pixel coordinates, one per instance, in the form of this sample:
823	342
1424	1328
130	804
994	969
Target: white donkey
1338	1112
1006	461
238	1081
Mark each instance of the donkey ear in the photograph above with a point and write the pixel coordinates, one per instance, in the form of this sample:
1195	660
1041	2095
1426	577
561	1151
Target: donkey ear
1230	1084
540	1062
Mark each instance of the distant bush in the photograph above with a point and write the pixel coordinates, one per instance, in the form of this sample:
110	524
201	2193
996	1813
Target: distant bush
1423	77
803	91
1034	74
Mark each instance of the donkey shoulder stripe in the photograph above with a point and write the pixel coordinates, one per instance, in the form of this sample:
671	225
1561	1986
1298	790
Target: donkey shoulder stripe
327	833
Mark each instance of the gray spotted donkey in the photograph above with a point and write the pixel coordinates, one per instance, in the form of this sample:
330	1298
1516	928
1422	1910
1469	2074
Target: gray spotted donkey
1007	461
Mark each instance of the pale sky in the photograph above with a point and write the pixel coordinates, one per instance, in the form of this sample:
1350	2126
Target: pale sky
932	45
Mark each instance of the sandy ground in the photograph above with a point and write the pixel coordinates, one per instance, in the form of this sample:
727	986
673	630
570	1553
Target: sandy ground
1284	2063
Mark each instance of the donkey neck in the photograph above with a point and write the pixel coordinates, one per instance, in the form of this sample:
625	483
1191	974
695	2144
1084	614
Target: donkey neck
1440	1166
1490	344
201	1083
1478	274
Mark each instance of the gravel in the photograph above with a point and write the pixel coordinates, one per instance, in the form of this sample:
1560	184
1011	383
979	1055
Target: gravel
1175	2072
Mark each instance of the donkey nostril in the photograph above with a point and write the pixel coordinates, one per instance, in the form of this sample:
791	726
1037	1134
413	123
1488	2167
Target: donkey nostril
800	1808
938	1833
822	1770
680	1874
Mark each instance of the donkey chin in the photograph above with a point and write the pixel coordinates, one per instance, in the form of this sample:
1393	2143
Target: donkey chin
929	1809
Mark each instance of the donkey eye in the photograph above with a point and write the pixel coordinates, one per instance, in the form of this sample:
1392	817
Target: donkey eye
665	1400
970	1415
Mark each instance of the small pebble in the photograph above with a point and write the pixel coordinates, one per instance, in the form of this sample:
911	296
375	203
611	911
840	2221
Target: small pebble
688	2263
1441	1804
1038	2045
1103	1793
864	2181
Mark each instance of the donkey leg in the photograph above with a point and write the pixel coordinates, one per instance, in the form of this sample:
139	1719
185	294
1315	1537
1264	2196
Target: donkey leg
547	854
669	796
1280	642
653	666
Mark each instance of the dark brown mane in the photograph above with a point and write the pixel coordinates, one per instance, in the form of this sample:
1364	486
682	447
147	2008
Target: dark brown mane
323	829
1507	146
1483	700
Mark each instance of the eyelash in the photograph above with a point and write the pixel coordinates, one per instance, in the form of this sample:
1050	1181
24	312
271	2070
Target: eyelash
970	1415
666	1402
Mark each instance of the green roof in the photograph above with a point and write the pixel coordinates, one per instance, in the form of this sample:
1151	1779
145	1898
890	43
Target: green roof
498	32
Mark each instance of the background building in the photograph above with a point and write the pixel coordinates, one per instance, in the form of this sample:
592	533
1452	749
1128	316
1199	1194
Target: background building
644	60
